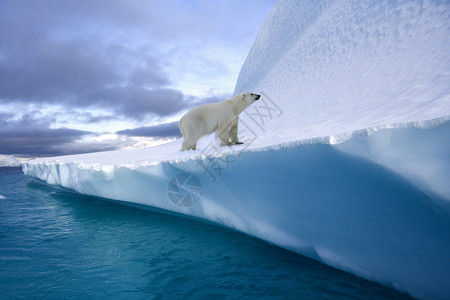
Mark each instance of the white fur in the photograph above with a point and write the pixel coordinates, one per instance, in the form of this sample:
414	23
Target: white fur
221	118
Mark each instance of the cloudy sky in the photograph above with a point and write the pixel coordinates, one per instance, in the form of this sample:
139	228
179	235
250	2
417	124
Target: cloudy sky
91	75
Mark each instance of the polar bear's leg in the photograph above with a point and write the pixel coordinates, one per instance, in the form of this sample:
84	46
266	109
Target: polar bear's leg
190	142
223	139
183	130
190	135
223	133
234	132
188	145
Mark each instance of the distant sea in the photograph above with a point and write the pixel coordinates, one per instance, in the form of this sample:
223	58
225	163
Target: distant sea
55	244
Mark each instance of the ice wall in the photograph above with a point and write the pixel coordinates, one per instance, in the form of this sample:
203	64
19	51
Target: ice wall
316	199
346	156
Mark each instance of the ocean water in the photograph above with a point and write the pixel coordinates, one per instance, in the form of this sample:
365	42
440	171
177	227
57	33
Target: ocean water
60	245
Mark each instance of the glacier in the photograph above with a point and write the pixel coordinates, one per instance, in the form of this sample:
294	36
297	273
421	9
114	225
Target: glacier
346	157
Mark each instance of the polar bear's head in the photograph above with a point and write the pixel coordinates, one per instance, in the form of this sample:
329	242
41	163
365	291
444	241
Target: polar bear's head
249	98
242	101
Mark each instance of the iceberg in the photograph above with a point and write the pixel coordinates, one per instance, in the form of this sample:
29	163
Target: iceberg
9	161
346	157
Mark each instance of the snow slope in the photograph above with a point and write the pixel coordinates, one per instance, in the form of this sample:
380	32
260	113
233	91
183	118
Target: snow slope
346	156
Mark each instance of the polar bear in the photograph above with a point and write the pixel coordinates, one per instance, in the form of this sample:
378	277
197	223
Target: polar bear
221	118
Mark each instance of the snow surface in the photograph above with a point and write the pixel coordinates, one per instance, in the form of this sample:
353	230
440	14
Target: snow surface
346	157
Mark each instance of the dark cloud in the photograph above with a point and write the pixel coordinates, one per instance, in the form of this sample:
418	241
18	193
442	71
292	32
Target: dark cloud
54	63
32	136
137	102
28	120
88	118
64	75
41	142
38	141
159	131
5	116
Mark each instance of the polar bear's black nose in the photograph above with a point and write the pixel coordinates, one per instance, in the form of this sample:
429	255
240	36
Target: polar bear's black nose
257	97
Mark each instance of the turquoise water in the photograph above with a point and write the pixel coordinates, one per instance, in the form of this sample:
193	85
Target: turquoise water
60	245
